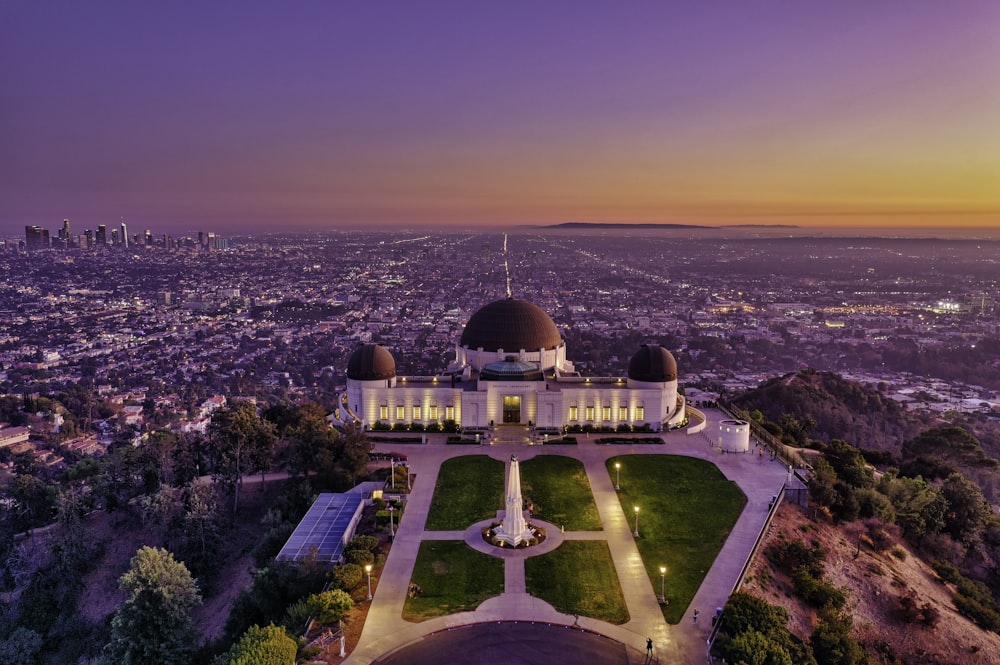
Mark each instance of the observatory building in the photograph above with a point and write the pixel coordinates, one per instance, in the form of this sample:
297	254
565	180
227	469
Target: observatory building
511	367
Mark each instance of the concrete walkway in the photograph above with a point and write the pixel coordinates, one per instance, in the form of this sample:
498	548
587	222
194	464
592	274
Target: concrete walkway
760	478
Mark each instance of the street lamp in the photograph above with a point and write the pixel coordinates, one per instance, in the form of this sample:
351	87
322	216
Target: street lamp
663	577
392	531
392	472
618	475
368	569
636	532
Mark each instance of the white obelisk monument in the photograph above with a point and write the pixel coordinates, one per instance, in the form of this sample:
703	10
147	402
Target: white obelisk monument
513	530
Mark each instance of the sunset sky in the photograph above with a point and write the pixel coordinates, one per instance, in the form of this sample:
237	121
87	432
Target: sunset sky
233	116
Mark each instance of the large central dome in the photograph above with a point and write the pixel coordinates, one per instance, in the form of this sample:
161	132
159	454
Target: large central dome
511	325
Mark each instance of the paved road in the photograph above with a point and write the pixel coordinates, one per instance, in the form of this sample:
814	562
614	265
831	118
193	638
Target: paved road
509	643
385	631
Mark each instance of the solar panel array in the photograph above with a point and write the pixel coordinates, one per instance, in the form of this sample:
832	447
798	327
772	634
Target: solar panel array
323	528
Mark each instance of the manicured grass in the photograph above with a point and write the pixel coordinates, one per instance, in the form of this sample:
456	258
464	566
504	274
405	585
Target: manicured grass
686	510
558	489
578	578
469	489
452	578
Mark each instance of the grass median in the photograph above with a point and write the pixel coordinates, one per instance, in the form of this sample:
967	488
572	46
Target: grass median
451	577
686	510
578	578
468	489
559	492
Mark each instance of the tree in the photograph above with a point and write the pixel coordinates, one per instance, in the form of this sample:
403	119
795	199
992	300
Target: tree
967	511
754	648
745	612
21	647
241	441
263	646
154	624
833	643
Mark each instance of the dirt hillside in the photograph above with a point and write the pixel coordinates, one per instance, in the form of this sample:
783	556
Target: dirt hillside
874	582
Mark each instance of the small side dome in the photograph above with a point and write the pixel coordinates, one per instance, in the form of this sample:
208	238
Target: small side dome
371	362
652	364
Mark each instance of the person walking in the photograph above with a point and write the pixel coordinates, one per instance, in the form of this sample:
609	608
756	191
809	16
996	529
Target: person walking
694	617
649	647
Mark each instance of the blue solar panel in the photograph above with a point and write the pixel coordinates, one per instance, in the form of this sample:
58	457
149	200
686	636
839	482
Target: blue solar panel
323	528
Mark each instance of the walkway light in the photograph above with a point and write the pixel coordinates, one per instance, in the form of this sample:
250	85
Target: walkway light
368	569
618	475
663	577
636	532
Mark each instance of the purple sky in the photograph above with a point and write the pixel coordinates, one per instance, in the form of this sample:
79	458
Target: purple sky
181	116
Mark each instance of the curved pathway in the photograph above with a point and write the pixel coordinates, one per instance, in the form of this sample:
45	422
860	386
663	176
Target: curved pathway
759	478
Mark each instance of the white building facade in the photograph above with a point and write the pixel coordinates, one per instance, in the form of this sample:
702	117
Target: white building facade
511	368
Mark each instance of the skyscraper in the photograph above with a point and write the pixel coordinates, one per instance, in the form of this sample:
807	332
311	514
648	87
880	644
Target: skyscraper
65	235
102	235
124	235
35	238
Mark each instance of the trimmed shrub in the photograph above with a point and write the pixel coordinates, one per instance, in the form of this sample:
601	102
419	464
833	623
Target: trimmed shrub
360	557
347	576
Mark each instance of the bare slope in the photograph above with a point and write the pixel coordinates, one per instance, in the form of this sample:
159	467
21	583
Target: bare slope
874	582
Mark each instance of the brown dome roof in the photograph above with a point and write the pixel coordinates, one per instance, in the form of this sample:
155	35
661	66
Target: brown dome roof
371	362
511	325
653	364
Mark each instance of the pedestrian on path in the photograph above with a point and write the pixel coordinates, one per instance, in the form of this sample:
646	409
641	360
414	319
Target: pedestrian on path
649	647
694	618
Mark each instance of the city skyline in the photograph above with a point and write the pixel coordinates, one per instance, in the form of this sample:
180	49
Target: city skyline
185	117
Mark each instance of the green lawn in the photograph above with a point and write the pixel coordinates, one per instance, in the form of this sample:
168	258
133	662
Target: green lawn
558	489
578	578
453	578
686	510
469	489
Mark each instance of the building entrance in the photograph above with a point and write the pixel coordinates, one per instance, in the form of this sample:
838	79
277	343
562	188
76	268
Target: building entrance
512	409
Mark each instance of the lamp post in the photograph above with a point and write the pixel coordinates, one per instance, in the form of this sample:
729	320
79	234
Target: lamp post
368	569
663	577
618	475
392	531
636	532
392	472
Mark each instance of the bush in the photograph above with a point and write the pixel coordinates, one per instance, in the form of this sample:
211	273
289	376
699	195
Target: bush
347	576
433	427
881	536
272	542
790	555
363	542
263	646
399	427
817	591
946	571
417	427
360	557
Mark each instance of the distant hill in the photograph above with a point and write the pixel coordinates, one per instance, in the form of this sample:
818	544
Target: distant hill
614	225
853	412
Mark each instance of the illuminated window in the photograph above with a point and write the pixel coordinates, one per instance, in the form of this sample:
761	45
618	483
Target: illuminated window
623	413
640	413
400	412
383	412
449	413
606	413
416	412
433	412
590	414
574	413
